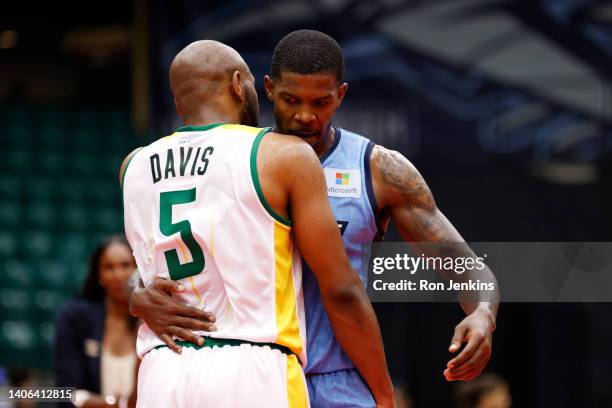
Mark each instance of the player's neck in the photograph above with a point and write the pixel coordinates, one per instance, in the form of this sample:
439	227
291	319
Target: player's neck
326	142
116	308
208	117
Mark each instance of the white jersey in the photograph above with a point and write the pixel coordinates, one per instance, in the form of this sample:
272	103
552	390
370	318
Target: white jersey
195	213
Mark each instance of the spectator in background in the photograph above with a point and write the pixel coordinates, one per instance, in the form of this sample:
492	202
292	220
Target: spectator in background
487	391
95	343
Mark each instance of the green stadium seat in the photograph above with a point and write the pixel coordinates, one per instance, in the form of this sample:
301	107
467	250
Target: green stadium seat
15	304
40	188
77	270
9	187
106	193
75	218
83	164
18	335
112	163
48	303
37	244
19	161
51	136
51	275
72	247
50	163
17	274
51	116
10	213
18	135
46	334
40	214
71	191
8	244
83	140
109	219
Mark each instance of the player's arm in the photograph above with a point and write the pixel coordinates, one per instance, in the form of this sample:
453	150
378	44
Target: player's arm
158	309
403	192
164	315
125	163
318	238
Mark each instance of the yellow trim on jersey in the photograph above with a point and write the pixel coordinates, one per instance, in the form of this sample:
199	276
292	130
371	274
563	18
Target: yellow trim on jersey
296	388
286	308
183	250
241	128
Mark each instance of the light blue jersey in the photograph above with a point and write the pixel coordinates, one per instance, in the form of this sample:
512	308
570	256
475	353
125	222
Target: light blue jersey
349	187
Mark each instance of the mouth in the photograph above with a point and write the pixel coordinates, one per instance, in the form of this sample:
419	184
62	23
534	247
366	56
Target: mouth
303	133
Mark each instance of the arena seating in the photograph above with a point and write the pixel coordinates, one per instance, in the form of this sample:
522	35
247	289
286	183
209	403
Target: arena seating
59	195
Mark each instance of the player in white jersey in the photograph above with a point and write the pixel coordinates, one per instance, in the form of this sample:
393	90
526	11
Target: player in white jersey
209	206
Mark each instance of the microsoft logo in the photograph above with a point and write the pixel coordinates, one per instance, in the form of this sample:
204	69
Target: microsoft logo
342	179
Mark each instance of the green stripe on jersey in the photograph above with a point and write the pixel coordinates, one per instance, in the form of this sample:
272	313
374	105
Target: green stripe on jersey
257	184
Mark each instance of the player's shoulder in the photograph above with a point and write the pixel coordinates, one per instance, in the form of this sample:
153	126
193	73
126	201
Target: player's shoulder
386	159
287	146
348	136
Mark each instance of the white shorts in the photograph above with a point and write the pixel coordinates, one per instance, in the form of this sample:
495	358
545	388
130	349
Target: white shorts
219	377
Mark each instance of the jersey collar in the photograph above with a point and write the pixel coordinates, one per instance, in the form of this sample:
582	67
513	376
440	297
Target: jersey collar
199	128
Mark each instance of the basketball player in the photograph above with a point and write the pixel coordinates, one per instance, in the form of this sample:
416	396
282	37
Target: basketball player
306	85
210	207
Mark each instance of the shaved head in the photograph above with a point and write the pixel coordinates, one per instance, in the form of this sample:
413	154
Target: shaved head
209	75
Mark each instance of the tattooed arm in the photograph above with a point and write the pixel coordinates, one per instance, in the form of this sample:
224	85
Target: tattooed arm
403	195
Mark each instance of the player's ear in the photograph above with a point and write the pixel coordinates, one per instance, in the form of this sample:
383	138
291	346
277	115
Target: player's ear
269	88
236	85
341	92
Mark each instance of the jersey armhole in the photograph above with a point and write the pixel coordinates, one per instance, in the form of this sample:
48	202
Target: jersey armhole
133	154
367	168
257	184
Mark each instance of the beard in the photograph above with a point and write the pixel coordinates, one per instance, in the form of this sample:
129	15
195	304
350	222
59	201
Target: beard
250	113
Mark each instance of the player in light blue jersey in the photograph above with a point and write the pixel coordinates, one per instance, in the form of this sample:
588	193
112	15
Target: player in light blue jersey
368	187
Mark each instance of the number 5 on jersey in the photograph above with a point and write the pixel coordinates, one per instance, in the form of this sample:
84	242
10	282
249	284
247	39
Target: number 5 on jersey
175	268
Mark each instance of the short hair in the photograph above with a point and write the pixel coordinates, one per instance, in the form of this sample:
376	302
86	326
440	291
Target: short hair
307	52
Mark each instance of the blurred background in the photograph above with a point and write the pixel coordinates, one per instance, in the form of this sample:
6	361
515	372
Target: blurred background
504	106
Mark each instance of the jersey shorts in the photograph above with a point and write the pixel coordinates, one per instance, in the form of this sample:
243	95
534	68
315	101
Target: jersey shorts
263	378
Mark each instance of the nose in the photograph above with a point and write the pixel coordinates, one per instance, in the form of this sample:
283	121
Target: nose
304	116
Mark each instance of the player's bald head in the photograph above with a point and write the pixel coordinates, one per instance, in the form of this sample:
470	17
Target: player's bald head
204	67
209	78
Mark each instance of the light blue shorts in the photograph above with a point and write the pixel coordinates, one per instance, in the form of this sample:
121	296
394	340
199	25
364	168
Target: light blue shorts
339	389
